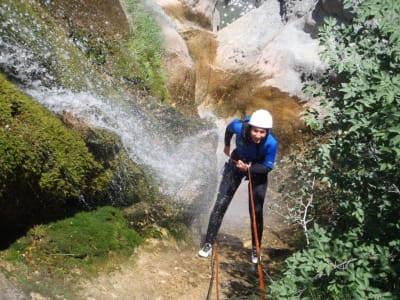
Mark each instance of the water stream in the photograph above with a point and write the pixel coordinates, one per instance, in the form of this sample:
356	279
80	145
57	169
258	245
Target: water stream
179	165
178	153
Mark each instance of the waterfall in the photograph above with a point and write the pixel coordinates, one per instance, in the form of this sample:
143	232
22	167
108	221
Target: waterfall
181	166
178	153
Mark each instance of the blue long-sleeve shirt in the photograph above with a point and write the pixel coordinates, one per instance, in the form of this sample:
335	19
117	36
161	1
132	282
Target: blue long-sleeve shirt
261	156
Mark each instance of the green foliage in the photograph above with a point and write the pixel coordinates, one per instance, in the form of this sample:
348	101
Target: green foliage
358	255
305	197
140	58
77	244
337	268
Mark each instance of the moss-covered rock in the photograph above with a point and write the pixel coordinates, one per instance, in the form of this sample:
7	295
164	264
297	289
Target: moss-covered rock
51	257
71	48
50	170
44	164
42	51
130	183
154	219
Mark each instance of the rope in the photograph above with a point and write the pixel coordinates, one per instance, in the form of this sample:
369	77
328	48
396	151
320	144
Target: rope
253	213
211	279
214	272
214	258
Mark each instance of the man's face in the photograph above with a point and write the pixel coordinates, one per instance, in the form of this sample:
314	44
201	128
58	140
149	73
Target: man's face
257	134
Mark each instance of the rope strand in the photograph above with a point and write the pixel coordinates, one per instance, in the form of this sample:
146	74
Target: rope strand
212	277
214	259
216	270
253	213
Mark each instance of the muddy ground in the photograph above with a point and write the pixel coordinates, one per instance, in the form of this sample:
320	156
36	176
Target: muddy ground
168	270
165	269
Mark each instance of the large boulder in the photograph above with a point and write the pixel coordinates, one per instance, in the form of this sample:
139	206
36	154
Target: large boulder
256	61
277	51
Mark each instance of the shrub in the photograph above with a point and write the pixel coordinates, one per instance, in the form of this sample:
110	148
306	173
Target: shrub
357	256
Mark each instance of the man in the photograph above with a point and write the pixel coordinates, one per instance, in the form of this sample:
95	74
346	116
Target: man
255	151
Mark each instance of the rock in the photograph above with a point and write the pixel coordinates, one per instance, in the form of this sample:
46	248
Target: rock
256	61
296	9
180	69
103	16
241	41
9	291
202	12
286	58
279	53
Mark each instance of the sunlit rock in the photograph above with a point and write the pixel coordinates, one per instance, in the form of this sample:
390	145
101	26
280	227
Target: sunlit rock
196	13
261	43
202	12
179	68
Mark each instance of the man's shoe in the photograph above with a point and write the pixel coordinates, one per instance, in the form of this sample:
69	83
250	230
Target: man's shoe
254	258
206	250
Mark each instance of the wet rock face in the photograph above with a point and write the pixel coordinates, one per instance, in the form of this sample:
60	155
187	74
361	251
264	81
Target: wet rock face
201	12
246	66
102	16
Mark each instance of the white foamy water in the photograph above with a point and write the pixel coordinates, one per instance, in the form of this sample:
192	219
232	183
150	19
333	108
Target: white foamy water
181	166
182	162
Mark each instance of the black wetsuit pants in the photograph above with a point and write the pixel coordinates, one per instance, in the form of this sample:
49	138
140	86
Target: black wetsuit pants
230	182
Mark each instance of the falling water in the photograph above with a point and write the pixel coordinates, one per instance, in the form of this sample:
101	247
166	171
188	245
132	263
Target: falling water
181	167
178	153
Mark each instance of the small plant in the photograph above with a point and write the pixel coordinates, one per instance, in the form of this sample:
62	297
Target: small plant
143	51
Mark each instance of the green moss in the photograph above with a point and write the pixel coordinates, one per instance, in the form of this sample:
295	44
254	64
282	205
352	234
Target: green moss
46	168
151	219
35	146
27	25
60	253
88	235
46	165
130	183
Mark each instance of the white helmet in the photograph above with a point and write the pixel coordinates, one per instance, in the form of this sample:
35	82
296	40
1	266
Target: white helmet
261	118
